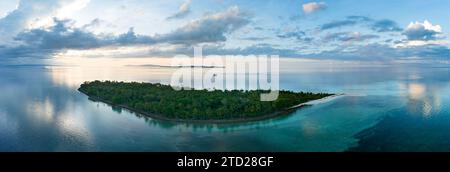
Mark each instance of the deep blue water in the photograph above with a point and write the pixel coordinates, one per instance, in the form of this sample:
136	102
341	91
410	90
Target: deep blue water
385	109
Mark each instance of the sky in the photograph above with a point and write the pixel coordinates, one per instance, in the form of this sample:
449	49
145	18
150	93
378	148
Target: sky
369	30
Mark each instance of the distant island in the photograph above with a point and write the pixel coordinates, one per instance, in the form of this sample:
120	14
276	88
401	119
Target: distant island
163	102
179	66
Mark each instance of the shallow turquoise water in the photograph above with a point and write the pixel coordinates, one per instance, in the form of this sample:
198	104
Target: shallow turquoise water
385	109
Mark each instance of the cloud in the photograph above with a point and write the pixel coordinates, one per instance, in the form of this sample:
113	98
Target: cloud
59	36
27	12
258	28
369	52
183	11
256	49
360	18
63	35
212	30
366	53
254	38
297	35
313	7
349	37
383	25
294	34
209	28
337	24
348	21
423	31
72	8
93	24
131	38
412	43
384	52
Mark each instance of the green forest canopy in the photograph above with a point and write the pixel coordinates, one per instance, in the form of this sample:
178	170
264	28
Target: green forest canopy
166	102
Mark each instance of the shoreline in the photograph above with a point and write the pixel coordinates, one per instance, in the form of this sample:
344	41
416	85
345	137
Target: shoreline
318	101
224	121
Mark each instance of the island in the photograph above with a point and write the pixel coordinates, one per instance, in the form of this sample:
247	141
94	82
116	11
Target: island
187	105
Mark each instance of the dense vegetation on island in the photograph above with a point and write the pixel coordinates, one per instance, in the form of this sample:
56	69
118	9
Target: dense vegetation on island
164	101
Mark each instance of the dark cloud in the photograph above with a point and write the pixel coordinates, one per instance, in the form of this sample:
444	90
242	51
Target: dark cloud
60	36
423	31
421	34
131	38
210	28
26	12
63	35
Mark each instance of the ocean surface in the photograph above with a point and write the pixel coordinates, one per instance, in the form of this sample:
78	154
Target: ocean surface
384	109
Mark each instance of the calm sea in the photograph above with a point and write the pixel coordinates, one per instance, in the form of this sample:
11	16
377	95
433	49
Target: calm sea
385	109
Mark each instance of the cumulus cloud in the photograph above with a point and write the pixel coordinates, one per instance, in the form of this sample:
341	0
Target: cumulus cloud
27	12
313	7
423	31
59	36
212	30
183	11
131	38
63	35
209	28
